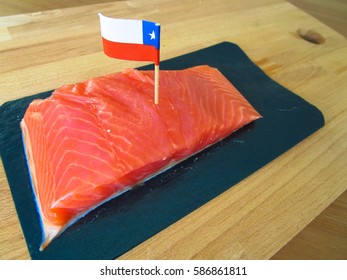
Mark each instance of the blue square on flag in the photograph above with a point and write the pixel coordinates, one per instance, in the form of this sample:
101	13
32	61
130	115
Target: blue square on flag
151	33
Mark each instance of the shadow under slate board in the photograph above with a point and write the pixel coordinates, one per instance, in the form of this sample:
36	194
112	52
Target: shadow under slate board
124	222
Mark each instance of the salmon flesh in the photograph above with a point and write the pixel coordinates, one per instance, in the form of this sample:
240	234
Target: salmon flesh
91	141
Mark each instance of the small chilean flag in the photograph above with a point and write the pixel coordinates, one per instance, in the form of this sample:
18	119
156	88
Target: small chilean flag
130	39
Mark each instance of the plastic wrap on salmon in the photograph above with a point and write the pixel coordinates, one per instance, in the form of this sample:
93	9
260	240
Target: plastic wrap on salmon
91	141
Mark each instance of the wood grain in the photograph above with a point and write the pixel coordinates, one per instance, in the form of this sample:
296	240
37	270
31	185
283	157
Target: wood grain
332	12
325	238
258	216
9	7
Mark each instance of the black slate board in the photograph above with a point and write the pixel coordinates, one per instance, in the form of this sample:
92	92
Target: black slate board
121	224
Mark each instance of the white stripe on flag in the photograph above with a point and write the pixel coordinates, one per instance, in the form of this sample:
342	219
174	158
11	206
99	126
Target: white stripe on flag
121	30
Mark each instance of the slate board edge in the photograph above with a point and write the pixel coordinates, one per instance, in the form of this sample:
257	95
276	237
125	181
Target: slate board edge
4	105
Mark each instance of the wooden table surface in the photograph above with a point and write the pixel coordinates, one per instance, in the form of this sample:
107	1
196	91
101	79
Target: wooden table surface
258	216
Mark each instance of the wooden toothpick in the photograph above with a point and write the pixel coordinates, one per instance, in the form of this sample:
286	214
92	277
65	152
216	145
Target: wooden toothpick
156	84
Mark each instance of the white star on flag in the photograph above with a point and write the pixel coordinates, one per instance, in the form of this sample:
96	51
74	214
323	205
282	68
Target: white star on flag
152	35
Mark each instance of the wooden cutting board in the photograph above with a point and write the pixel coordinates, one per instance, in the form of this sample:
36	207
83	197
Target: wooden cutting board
255	218
123	223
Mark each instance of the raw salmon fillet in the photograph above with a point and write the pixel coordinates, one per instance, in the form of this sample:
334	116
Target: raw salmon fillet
91	141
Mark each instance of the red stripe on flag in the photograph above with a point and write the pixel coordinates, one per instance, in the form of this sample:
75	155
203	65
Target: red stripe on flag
131	51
